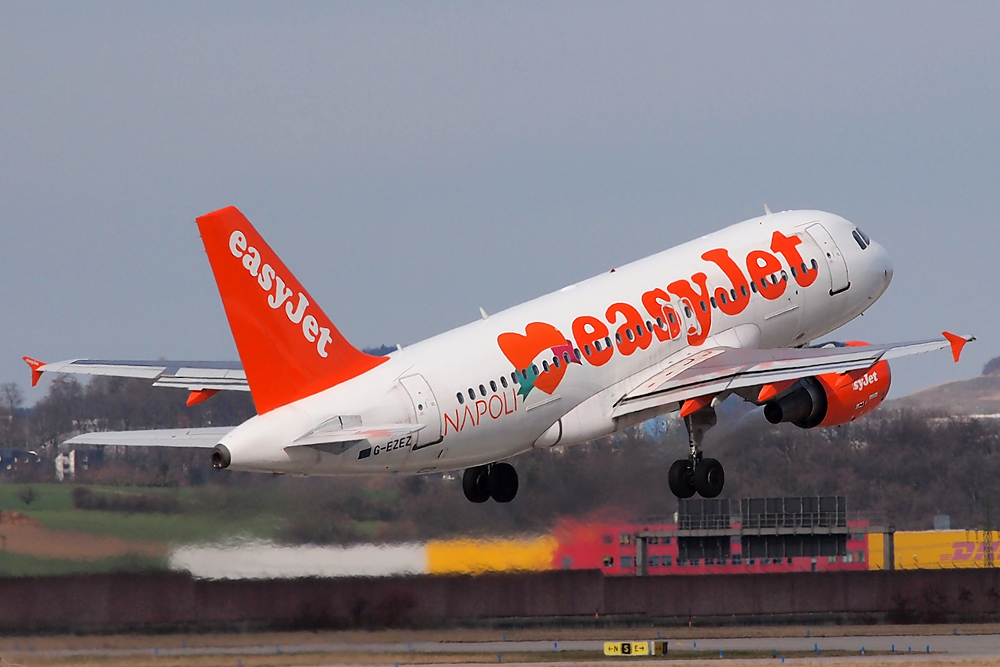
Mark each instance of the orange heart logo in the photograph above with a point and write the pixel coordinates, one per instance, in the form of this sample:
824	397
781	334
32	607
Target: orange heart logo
522	350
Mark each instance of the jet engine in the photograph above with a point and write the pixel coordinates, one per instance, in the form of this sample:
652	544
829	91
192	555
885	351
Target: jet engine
831	399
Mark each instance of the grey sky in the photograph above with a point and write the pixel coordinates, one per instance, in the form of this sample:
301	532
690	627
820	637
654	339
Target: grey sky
414	161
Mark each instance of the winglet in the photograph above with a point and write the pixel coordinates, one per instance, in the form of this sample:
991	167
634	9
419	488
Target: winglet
35	364
957	343
693	405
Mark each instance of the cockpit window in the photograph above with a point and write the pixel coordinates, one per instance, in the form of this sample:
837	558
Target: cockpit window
860	237
868	241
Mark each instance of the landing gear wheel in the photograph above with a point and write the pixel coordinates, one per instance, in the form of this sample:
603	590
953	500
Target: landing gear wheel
502	482
475	484
679	479
709	478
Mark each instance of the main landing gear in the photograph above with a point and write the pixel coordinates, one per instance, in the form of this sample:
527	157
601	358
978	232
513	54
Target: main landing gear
695	474
496	480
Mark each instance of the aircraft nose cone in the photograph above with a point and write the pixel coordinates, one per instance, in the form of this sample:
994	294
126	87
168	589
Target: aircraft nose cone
887	265
883	262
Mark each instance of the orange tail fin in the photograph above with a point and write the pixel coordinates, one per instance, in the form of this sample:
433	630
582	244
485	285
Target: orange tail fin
288	346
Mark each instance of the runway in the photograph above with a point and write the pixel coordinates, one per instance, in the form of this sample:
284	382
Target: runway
299	650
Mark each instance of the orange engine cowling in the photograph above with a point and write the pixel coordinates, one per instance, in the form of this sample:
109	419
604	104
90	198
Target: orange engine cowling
833	398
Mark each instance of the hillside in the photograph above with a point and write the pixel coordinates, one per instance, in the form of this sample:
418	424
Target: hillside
977	396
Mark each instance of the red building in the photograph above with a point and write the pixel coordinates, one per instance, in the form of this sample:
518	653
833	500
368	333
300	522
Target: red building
611	547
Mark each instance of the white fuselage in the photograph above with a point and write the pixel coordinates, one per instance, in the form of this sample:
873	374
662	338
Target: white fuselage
460	385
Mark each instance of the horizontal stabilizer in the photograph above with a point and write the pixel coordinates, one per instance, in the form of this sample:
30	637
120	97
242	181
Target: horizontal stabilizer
169	437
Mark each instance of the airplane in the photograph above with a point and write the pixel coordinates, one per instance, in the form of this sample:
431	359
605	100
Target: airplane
734	312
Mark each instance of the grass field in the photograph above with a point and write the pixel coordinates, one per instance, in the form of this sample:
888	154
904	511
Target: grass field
198	522
134	541
27	565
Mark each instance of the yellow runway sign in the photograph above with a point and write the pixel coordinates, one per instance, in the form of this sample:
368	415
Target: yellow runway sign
635	648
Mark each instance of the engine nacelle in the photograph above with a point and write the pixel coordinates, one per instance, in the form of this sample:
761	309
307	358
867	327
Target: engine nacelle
833	398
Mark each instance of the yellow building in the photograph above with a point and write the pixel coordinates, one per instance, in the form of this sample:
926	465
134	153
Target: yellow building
934	549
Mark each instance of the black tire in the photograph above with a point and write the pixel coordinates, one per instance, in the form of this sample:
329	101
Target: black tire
679	479
503	482
475	484
709	478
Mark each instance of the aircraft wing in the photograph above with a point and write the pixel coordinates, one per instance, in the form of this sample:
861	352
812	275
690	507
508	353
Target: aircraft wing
171	437
715	370
204	377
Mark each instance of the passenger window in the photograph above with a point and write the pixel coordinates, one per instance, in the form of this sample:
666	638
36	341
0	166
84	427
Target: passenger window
687	311
576	353
629	334
794	274
503	381
722	299
618	337
815	265
712	299
555	361
732	293
659	322
566	357
513	377
753	287
586	349
743	290
545	366
597	345
493	385
461	399
704	308
607	341
670	316
534	369
472	394
784	276
763	282
482	390
638	330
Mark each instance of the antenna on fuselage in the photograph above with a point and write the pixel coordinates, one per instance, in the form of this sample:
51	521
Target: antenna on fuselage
767	210
483	313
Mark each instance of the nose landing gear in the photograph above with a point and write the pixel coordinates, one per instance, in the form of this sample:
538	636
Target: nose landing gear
496	480
695	474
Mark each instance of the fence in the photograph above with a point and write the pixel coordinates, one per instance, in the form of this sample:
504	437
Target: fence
144	602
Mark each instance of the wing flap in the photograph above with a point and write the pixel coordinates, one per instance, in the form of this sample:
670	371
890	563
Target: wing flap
205	438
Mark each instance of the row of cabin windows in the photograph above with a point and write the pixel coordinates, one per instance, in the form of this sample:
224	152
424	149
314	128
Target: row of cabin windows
632	333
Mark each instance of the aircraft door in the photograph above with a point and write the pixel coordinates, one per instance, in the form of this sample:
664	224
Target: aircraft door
425	408
687	316
839	279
